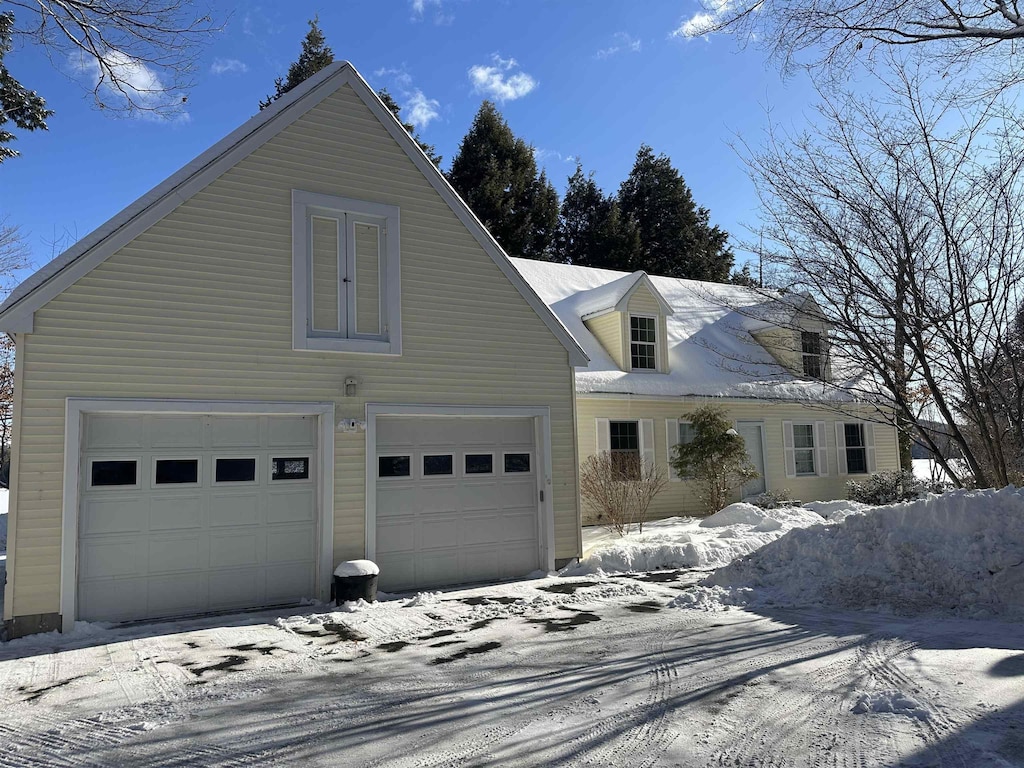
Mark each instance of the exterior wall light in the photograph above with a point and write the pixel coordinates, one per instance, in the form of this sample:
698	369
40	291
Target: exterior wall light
350	386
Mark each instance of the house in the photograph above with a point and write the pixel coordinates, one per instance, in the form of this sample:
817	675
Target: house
660	347
300	349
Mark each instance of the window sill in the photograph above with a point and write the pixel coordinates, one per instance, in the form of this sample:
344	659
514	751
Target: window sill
358	346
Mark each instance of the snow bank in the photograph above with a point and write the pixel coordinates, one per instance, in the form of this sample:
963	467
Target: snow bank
838	510
3	519
889	702
357	568
686	542
960	553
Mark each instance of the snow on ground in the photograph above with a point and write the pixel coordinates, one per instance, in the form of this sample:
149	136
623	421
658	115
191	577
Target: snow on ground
960	553
3	520
555	671
688	542
929	469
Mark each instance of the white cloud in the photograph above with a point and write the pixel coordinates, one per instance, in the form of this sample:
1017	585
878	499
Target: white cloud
419	110
398	76
499	82
698	25
228	67
543	155
419	9
138	89
623	43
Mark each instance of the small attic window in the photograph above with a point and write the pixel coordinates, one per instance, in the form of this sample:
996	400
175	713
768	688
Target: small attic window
643	337
811	351
345	266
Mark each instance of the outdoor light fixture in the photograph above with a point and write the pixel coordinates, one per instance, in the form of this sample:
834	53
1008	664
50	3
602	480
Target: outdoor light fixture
350	386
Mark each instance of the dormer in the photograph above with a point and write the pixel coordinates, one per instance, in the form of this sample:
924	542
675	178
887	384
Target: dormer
795	333
628	317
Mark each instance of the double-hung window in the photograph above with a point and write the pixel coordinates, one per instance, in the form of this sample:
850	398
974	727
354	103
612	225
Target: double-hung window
803	448
811	352
856	449
643	335
345	270
624	446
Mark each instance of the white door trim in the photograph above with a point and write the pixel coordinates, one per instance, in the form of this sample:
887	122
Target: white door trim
542	421
75	410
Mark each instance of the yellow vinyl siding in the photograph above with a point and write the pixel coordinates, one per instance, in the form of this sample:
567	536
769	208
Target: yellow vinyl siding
607	329
367	243
642	302
199	307
679	497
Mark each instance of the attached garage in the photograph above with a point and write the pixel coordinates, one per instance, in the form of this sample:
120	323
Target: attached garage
188	513
457	499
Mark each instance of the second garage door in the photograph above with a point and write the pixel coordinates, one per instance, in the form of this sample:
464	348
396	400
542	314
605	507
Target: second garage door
457	500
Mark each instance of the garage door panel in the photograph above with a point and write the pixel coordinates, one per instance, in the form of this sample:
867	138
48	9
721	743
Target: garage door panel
434	531
291	507
109	558
235	549
167	550
175	513
175	554
288	544
230	510
105	515
176	431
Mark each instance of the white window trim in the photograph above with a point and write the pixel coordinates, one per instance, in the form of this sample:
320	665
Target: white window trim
516	453
162	457
236	483
270	469
77	408
395	478
391	297
656	343
470	475
868	436
813	449
423	470
137	458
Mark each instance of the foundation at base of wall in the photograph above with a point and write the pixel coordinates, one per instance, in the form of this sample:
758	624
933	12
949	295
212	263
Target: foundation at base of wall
20	626
560	563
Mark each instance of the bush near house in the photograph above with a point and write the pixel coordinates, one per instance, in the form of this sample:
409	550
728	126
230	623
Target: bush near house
621	488
891	487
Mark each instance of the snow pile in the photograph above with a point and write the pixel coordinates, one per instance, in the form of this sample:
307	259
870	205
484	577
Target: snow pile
357	568
686	542
3	520
838	510
889	702
960	553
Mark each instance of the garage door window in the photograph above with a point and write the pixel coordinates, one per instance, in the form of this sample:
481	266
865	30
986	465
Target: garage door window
435	464
114	473
235	470
176	471
517	462
292	468
394	466
479	463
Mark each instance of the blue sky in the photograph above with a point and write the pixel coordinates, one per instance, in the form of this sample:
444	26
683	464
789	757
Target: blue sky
592	80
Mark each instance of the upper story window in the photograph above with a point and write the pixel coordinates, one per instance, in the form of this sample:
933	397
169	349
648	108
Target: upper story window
345	274
811	350
643	336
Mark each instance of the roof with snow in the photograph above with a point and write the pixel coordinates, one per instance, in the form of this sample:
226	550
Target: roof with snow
710	347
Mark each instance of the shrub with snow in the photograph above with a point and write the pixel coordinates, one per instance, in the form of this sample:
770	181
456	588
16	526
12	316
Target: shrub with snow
772	499
891	486
960	553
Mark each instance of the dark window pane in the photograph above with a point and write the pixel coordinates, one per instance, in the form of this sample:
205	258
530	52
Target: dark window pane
235	470
439	464
854	435
517	462
169	471
114	472
294	468
479	464
810	342
856	461
624	436
394	466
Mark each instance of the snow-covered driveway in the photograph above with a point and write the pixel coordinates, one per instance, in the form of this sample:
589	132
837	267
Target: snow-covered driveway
566	672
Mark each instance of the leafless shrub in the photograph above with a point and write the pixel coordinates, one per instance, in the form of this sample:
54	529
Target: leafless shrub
621	488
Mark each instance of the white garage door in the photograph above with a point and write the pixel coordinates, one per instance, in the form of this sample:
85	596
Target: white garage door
457	500
188	514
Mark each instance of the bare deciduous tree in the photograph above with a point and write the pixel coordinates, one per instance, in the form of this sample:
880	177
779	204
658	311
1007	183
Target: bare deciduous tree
901	215
621	487
138	55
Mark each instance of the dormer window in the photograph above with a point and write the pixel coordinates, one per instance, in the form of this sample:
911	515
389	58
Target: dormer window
810	345
643	336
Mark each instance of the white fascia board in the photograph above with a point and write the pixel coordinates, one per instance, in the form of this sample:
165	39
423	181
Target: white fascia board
433	175
53	278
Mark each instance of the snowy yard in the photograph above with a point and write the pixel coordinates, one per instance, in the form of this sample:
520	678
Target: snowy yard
592	668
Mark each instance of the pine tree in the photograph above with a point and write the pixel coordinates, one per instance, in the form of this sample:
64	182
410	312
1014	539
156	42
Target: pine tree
496	174
315	56
676	238
25	108
591	231
428	149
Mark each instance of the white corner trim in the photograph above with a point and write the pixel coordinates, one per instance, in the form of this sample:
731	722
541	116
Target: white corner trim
542	431
77	408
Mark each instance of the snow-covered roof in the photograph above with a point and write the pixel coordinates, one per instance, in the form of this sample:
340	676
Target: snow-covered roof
710	347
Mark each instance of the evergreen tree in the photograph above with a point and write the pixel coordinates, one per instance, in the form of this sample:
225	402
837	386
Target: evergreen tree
496	174
591	231
25	108
315	56
428	149
743	276
676	238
